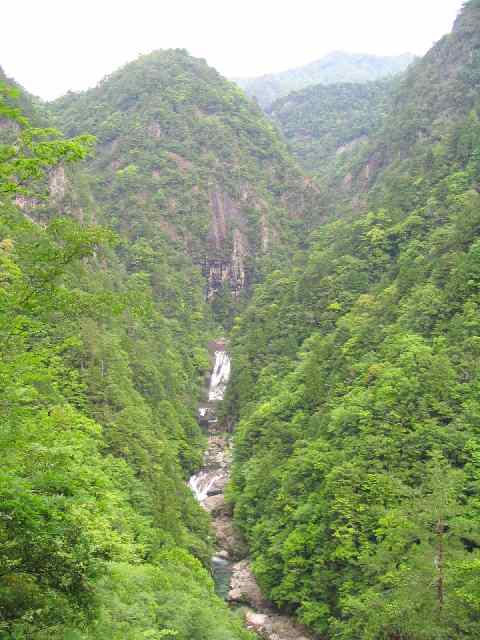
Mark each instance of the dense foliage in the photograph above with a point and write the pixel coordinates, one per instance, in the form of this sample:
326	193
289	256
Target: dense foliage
185	160
322	122
99	375
356	384
336	67
356	381
439	89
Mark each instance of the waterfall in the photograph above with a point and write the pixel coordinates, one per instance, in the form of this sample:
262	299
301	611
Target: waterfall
208	484
234	581
202	482
219	377
212	476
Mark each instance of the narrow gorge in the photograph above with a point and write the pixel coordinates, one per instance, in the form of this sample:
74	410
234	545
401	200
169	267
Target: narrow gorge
316	464
231	568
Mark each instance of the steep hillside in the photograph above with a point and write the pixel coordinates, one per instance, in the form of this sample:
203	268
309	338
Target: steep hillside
348	136
187	195
437	92
102	354
23	99
184	158
356	384
336	67
323	122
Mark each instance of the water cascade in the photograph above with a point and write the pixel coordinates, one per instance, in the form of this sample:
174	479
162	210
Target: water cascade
211	480
202	484
220	376
234	580
209	483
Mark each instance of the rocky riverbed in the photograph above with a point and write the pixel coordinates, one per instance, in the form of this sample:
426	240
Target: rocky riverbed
230	564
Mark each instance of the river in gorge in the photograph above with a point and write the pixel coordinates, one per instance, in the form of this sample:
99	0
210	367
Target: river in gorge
231	569
209	483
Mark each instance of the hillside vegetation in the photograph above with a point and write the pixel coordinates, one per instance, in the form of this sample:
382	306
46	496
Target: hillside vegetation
170	211
356	383
187	162
103	348
322	123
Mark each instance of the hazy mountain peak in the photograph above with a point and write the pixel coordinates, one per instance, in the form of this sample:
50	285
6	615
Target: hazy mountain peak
336	66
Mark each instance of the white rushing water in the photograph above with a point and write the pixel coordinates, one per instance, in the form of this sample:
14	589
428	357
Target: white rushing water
212	474
202	483
219	377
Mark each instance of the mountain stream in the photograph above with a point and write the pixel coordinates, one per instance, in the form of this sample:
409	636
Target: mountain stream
231	569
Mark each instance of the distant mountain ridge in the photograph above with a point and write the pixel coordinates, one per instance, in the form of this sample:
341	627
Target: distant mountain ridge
335	67
323	122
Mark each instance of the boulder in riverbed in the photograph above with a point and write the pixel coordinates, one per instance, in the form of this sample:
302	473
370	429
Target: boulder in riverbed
228	537
215	504
272	626
244	588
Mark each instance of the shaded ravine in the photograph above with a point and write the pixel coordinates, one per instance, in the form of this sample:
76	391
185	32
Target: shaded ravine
231	569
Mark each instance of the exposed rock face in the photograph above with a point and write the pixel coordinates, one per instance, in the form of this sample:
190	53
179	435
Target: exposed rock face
229	245
57	183
184	156
222	207
219	272
240	251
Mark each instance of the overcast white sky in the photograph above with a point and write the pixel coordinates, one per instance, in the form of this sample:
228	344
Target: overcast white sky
51	46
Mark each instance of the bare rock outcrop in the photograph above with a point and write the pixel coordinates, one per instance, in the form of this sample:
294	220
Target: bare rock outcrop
274	627
244	588
57	183
227	537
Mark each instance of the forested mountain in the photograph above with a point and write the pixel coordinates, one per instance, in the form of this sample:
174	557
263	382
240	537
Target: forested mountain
356	381
336	67
186	161
347	135
437	91
323	122
351	298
